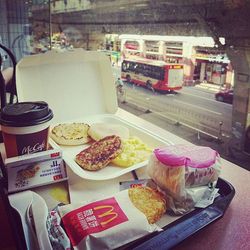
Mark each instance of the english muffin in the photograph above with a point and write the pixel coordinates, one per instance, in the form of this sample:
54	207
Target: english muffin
97	131
70	134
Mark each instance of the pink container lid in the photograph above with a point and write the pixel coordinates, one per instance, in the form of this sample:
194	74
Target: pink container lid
186	155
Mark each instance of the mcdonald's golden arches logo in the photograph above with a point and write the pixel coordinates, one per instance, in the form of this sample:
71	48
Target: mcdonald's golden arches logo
108	213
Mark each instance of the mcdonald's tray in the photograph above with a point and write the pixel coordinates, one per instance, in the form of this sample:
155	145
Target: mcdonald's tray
111	171
187	225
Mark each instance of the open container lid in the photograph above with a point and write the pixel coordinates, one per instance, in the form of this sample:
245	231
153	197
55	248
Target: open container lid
74	83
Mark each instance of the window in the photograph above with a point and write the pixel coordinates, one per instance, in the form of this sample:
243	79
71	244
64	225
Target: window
194	34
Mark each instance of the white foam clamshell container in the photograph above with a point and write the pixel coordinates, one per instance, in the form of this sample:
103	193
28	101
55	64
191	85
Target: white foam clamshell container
78	85
74	83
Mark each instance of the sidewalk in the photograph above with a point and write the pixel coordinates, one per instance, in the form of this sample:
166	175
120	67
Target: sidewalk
210	87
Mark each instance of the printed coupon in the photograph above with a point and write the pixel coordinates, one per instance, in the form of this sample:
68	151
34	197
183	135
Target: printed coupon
26	176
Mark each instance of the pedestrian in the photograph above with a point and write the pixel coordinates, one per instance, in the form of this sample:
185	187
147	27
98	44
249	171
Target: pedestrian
120	90
119	85
119	82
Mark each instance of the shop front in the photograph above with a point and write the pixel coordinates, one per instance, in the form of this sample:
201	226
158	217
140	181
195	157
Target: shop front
213	68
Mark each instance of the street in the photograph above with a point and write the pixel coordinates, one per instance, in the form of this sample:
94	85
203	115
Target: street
191	106
191	113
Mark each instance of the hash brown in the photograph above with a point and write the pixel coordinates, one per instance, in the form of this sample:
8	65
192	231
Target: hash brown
100	153
148	201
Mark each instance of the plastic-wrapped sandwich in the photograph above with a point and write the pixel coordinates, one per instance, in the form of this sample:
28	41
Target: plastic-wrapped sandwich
184	174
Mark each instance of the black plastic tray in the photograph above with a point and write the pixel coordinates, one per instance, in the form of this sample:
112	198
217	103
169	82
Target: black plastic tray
187	225
172	234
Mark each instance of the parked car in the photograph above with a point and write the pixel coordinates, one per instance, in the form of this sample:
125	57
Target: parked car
225	96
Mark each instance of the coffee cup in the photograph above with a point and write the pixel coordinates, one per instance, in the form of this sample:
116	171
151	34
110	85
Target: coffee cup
25	127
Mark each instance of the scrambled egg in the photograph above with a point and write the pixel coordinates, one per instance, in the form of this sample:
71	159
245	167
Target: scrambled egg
133	151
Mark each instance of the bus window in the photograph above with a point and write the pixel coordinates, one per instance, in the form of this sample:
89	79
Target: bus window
130	66
124	66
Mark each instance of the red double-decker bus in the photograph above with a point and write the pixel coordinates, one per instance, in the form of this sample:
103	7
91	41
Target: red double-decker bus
155	75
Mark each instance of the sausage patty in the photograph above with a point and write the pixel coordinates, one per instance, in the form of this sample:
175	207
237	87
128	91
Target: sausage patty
100	153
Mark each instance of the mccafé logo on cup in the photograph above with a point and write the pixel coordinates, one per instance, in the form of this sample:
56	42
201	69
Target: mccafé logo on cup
25	127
